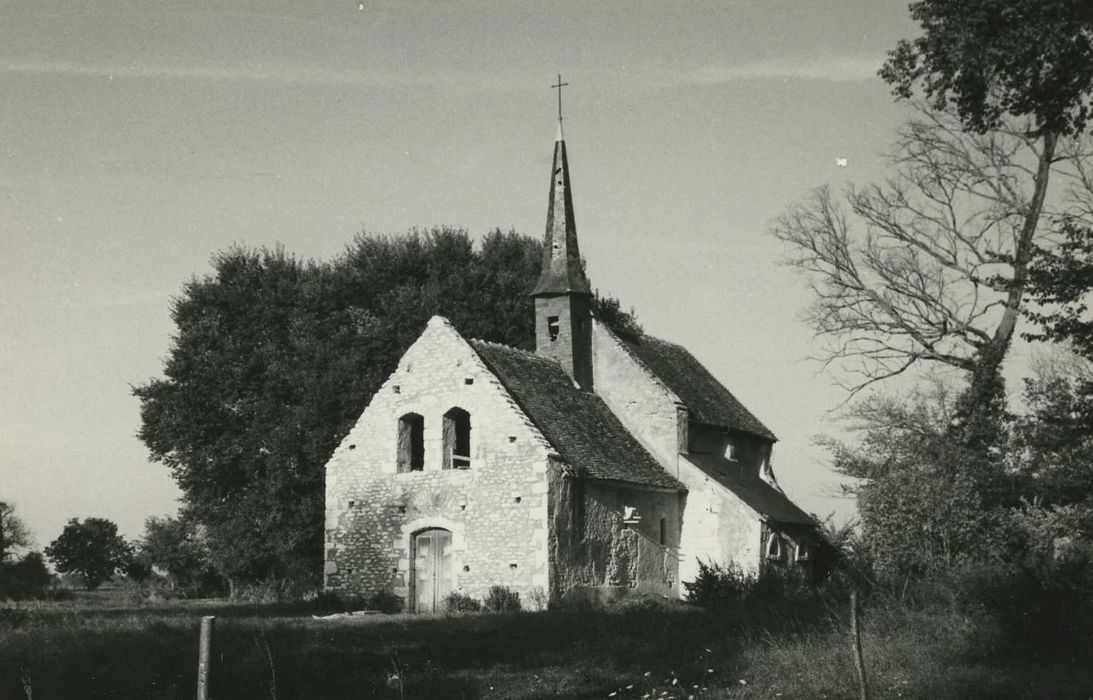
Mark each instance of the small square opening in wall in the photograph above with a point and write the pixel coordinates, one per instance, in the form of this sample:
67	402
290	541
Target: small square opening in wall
512	566
468	380
352	447
512	438
402	509
352	504
396	388
517	499
466	568
553	327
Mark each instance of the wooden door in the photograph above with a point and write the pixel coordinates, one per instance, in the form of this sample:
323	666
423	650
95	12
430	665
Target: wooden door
432	569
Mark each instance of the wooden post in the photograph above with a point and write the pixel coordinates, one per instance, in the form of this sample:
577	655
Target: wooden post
204	656
855	641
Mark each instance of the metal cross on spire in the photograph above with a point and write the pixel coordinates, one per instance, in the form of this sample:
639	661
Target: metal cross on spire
559	87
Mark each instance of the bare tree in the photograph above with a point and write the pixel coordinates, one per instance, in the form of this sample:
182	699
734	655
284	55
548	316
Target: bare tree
13	532
932	265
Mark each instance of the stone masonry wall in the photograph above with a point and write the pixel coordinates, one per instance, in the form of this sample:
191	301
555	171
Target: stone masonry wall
572	347
496	510
594	552
648	409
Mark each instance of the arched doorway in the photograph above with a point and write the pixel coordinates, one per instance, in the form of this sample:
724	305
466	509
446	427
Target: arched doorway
432	575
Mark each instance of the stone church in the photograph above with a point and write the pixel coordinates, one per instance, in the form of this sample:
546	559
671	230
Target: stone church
599	465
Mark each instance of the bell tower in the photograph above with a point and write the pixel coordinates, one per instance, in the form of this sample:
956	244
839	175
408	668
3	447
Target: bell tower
563	297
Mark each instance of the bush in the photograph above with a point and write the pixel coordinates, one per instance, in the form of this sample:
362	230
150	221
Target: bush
719	586
456	602
26	578
502	599
149	591
1047	604
386	602
271	590
328	603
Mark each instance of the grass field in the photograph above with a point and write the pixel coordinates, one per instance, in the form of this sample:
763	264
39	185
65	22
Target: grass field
101	646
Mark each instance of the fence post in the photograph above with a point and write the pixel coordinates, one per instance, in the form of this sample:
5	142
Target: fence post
204	656
855	641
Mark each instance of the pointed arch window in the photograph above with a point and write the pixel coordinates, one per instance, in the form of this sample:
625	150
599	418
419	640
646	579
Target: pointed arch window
457	439
773	550
411	443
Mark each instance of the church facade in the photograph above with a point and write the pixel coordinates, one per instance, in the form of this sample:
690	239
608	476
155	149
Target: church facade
599	465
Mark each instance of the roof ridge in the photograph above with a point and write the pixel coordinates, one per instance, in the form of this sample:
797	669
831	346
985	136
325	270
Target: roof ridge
529	354
664	341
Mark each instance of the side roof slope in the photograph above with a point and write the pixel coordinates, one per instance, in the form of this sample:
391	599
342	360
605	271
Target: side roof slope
749	488
707	399
578	424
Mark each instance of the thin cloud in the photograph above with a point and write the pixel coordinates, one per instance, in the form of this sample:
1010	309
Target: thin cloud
834	69
259	73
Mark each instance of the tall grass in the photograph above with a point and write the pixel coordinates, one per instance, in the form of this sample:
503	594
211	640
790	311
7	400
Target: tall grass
95	647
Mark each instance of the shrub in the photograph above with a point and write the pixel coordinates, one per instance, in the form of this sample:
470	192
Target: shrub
148	591
502	599
271	590
1047	604
537	598
719	586
328	602
456	602
386	602
26	578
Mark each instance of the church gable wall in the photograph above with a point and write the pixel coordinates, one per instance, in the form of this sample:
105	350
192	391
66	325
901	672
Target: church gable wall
594	553
642	403
496	510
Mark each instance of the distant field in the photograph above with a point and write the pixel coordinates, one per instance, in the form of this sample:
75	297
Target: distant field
101	646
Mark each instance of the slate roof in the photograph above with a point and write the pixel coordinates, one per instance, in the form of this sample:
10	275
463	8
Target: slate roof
707	400
749	488
578	424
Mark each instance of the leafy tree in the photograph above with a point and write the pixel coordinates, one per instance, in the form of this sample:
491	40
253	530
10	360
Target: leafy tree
994	58
274	358
1059	287
25	578
13	532
926	501
93	549
177	546
1052	451
137	568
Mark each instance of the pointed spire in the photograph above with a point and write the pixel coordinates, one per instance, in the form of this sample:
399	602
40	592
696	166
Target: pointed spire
562	272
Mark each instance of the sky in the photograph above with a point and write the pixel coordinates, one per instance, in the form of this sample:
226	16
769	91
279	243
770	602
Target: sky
139	138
